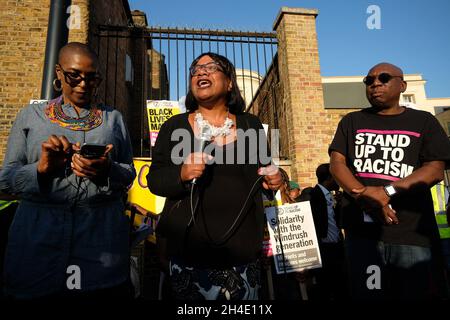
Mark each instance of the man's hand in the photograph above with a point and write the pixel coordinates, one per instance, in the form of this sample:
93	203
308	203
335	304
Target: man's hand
371	198
272	177
388	215
385	215
91	168
55	152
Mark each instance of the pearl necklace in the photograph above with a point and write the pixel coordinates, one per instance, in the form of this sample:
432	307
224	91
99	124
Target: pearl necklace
212	131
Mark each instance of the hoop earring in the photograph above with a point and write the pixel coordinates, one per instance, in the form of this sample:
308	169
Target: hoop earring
95	98
55	86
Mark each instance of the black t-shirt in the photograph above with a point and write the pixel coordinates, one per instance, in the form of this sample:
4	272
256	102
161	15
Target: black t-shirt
381	149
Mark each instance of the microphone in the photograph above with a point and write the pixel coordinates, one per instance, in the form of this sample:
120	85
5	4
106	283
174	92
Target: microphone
205	136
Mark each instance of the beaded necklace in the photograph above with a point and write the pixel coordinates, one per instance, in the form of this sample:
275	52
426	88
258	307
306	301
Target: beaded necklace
211	130
55	114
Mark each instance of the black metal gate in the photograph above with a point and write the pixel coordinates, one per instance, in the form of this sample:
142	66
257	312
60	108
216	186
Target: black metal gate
248	51
159	59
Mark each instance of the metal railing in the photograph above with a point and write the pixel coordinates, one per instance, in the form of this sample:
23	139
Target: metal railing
177	48
169	52
252	51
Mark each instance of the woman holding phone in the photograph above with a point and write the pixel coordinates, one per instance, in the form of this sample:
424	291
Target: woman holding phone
69	236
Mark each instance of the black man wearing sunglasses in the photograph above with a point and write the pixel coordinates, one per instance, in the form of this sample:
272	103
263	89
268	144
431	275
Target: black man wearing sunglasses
386	158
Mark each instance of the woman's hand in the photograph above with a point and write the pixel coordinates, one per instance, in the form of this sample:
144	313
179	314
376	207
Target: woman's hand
194	165
55	154
91	168
272	177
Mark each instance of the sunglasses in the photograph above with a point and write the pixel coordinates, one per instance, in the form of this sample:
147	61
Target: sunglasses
382	77
74	78
210	67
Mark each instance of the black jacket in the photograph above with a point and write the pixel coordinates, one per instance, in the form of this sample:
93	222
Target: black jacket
319	210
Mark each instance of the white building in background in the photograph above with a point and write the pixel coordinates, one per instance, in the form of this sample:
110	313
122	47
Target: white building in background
416	96
248	83
349	92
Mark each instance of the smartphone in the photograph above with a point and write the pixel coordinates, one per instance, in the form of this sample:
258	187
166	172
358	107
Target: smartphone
92	150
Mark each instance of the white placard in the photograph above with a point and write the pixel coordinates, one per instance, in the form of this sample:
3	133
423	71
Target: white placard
291	227
37	101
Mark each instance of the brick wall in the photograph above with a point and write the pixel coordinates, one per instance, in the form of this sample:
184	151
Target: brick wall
309	125
291	99
23	30
80	9
268	106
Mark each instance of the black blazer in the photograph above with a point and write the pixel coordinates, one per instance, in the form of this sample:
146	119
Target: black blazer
320	211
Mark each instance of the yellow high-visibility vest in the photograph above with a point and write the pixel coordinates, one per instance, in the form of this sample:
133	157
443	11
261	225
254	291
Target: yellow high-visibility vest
439	203
6	203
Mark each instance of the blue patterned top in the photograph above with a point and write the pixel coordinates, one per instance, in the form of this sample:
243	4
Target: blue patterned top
47	236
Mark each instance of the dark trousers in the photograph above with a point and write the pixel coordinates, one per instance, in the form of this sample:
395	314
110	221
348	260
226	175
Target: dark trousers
120	293
331	279
405	272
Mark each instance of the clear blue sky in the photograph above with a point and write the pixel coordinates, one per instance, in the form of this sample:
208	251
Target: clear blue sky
414	35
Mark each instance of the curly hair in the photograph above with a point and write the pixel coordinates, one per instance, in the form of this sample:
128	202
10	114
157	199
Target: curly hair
235	102
285	188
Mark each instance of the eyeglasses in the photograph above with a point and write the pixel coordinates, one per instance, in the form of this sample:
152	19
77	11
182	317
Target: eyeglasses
210	67
74	78
382	77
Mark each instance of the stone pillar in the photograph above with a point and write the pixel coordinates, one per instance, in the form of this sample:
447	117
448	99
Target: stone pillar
303	106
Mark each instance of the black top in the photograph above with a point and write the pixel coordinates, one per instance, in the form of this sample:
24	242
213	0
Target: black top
381	149
213	241
221	191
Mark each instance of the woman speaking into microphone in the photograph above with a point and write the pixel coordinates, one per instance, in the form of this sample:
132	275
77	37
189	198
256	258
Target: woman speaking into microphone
210	232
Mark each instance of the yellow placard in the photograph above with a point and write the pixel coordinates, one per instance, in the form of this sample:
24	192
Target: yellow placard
158	111
140	194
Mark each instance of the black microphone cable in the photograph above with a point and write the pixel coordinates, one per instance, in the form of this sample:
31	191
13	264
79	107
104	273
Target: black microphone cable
224	238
